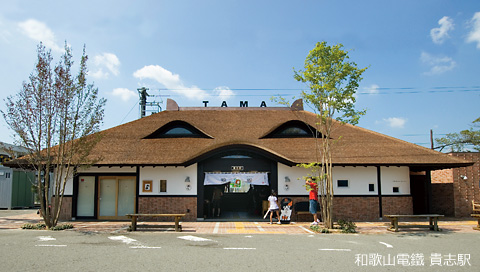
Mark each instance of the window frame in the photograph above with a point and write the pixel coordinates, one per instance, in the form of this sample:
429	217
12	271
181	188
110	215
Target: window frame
162	132
343	186
296	124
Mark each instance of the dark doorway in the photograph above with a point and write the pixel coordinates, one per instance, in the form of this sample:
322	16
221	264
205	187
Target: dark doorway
243	205
419	188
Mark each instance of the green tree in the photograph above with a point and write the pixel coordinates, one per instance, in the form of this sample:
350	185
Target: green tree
54	116
332	81
463	140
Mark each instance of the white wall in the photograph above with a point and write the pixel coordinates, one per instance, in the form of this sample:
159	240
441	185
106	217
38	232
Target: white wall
358	178
115	169
68	185
395	177
94	169
296	176
175	177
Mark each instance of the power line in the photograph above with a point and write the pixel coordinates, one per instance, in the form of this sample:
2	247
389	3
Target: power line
136	103
373	91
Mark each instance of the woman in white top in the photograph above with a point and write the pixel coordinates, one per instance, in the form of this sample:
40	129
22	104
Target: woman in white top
273	206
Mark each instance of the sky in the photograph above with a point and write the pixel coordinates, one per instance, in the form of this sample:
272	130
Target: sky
423	57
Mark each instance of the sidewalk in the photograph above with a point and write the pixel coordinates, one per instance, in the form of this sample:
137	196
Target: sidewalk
14	219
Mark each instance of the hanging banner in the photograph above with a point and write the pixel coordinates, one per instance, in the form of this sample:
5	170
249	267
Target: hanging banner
236	179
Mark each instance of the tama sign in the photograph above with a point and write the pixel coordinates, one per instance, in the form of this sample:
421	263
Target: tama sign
243	104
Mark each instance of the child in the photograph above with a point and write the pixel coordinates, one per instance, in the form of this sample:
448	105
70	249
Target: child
273	206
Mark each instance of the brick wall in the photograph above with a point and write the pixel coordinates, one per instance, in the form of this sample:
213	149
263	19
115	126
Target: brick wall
358	208
169	205
463	190
397	205
466	190
442	176
442	199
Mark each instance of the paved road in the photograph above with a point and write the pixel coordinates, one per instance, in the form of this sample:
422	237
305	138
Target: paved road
29	250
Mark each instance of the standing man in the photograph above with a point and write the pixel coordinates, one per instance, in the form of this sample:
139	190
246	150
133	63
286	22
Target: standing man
312	186
217	200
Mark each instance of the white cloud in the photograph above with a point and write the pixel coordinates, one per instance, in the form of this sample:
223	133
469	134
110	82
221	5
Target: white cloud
372	89
40	32
223	92
440	34
474	35
170	80
395	122
108	62
438	64
123	93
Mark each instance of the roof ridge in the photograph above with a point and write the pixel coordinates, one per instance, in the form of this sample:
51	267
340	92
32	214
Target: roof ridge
402	141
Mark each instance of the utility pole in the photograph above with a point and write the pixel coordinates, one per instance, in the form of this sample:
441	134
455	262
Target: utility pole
143	100
431	139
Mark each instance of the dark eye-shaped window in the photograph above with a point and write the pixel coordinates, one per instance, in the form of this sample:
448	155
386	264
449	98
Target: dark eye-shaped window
177	129
294	129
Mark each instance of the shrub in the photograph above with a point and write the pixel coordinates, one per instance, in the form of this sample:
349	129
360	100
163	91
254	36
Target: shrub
41	226
38	226
325	230
63	227
317	228
347	226
28	226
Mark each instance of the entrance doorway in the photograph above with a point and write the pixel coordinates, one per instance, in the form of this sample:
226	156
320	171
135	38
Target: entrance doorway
86	196
235	195
116	197
236	203
419	189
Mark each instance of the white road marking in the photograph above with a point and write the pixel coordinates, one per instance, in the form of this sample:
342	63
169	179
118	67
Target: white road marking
335	249
388	245
217	225
146	247
128	241
123	239
259	227
194	238
45	238
240	248
305	229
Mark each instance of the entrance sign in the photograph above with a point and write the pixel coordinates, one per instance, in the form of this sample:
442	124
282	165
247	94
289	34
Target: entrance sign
236	178
243	104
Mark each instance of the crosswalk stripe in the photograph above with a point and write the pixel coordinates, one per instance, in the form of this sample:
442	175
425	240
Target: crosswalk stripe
193	238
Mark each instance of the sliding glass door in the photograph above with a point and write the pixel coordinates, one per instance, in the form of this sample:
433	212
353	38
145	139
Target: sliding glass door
116	197
86	196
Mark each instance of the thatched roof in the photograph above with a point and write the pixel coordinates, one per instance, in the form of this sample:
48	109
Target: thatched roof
226	127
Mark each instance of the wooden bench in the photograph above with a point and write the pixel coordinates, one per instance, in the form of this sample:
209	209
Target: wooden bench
475	207
432	218
177	217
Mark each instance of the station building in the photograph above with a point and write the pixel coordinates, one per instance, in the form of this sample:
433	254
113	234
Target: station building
15	184
171	162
